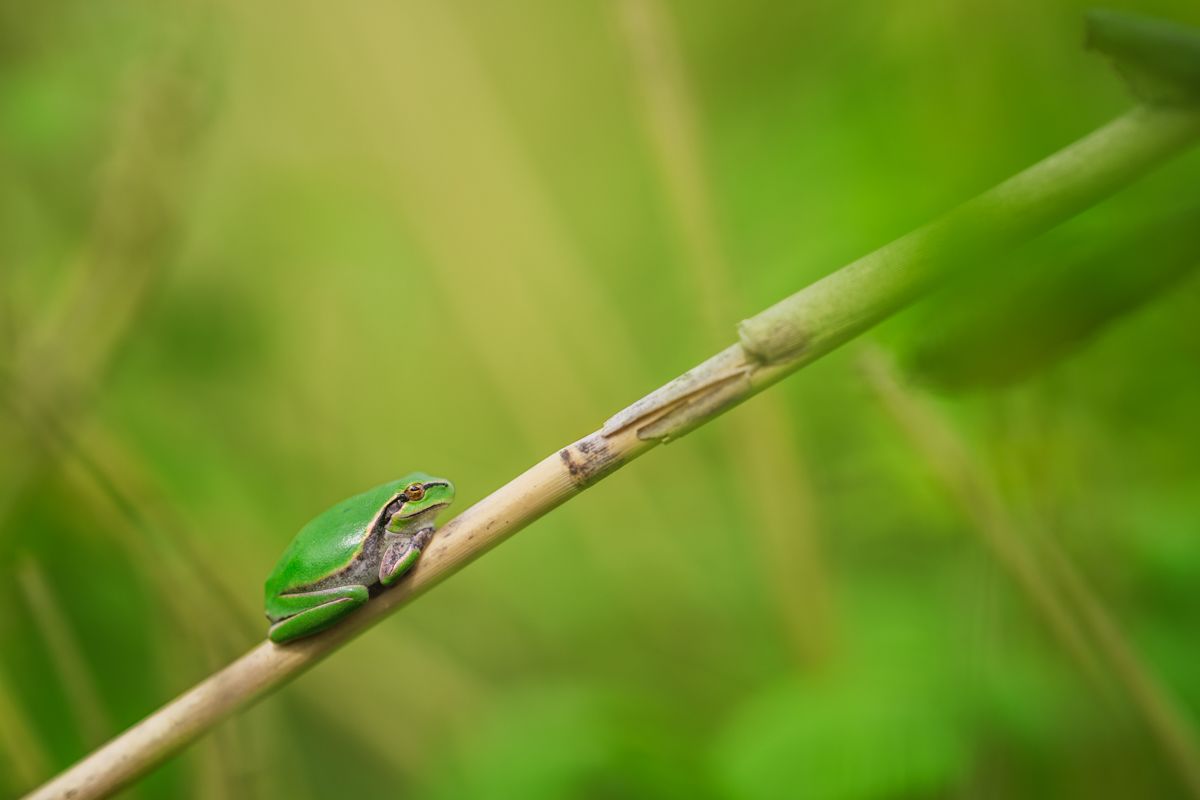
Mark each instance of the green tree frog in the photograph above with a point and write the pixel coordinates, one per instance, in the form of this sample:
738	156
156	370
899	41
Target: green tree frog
358	547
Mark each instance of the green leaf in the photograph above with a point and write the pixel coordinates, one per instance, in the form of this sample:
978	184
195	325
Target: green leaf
1006	325
1159	59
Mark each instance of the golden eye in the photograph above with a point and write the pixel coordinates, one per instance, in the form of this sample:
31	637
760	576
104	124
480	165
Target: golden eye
414	491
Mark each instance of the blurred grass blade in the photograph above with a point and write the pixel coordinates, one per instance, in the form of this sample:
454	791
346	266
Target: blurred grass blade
66	652
1159	59
780	494
1043	311
21	749
953	465
1049	582
1159	708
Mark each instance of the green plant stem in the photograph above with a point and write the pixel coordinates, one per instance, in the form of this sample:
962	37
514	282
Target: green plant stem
773	344
818	319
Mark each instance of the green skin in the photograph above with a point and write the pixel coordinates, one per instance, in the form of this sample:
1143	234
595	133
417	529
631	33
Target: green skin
371	539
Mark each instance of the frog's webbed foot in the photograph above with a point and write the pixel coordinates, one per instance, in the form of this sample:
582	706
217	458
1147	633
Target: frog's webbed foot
303	613
401	554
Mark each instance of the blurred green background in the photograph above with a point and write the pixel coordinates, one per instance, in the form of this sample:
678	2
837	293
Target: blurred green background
255	257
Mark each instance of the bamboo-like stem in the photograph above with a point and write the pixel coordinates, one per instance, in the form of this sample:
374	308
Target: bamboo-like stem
773	344
817	319
541	488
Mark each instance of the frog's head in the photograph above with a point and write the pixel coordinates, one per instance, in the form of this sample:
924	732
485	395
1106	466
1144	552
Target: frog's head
423	497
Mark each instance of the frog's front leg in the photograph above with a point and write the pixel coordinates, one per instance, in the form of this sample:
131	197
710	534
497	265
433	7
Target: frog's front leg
400	555
303	613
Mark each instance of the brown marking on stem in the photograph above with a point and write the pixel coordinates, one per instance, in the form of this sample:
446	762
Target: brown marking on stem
588	460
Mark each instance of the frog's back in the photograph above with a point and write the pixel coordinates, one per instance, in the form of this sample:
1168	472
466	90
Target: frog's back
330	540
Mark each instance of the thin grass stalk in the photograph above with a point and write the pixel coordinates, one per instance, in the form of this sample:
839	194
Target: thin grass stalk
1073	613
783	504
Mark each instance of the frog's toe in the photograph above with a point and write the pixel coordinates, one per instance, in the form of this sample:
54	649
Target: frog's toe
400	557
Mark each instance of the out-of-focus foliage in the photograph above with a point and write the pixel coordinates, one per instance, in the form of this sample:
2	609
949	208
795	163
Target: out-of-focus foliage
1160	59
1055	295
257	256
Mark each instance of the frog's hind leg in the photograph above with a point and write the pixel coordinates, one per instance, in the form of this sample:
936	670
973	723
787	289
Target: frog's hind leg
303	613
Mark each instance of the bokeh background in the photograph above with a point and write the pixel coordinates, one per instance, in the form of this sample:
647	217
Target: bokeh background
255	257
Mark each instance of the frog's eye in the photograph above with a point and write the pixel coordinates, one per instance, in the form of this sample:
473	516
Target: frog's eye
414	491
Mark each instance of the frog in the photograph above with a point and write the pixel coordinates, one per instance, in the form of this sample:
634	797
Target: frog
351	552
